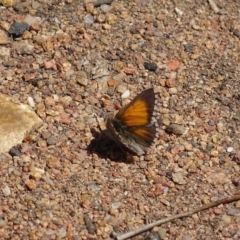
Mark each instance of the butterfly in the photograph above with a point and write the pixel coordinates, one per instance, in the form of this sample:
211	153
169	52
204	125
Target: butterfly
135	126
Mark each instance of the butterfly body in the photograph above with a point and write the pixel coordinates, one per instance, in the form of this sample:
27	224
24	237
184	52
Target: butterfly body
134	126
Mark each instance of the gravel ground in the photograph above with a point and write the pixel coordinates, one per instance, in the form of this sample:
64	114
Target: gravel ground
65	181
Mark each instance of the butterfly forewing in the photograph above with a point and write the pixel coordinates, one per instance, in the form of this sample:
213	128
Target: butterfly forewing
139	111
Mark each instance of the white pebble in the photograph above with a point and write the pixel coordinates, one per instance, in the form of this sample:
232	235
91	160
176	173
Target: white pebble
126	94
178	11
31	101
62	233
105	8
230	149
6	191
57	20
165	191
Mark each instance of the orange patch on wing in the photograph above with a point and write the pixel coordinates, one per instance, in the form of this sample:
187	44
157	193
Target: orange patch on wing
135	113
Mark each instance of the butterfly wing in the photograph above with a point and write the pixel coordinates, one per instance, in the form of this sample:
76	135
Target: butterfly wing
139	111
143	135
134	125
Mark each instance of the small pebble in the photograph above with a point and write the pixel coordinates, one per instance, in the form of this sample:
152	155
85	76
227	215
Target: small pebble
6	191
111	19
234	212
31	184
178	178
116	205
89	224
17	29
230	149
176	129
89	19
126	94
50	232
236	32
220	127
214	153
52	140
150	66
188	47
53	162
162	232
178	11
30	20
3	37
155	24
170	83
36	173
31	102
121	88
62	233
173	90
15	151
105	8
227	219
82	78
4	51
186	237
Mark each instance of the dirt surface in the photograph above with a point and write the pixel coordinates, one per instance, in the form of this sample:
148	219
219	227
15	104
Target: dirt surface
65	181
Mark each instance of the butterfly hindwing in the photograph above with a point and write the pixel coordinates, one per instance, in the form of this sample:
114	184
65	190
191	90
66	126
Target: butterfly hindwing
144	135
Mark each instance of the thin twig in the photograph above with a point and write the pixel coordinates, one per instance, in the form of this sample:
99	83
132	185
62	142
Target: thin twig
181	215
